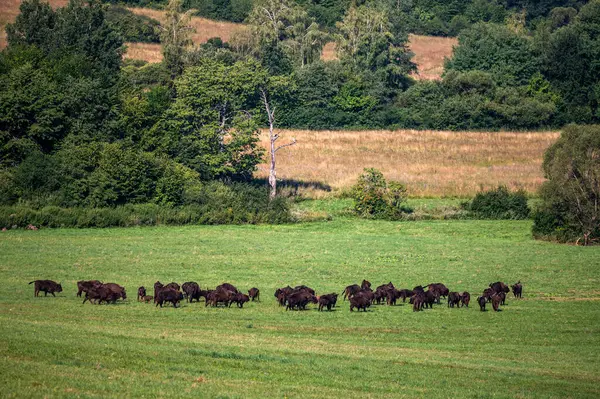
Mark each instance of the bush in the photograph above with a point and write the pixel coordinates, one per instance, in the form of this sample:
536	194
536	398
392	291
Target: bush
132	27
213	203
499	204
375	198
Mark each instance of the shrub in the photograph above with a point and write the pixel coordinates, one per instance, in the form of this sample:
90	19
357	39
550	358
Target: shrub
375	198
499	204
132	27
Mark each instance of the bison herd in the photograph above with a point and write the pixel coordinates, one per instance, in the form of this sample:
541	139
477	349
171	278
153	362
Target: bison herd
298	298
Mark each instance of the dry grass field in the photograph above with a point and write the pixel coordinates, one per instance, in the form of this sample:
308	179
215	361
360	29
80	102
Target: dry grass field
430	53
430	163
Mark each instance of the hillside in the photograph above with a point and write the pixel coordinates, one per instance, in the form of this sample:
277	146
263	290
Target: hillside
429	50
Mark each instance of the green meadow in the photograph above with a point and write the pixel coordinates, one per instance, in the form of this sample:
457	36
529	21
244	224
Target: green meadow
546	345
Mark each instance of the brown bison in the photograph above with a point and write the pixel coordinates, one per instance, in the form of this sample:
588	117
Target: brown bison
254	293
174	286
116	289
84	286
299	299
365	285
220	296
141	293
499	286
147	298
282	293
350	290
453	299
328	301
465	298
48	286
406	293
496	300
361	300
169	295
482	300
228	287
101	293
157	287
240	299
191	291
517	289
418	301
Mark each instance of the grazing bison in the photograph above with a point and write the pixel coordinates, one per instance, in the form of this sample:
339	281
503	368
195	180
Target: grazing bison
191	291
99	294
157	287
502	296
465	298
328	301
499	286
169	295
147	298
48	286
240	299
361	300
220	295
141	293
487	294
117	290
366	285
405	293
282	293
84	286
496	300
418	301
228	287
482	300
304	288
453	299
173	285
299	299
517	290
254	293
351	290
439	289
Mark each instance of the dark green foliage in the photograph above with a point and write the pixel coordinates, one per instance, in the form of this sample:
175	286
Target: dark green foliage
212	203
495	49
570	210
499	204
375	198
132	27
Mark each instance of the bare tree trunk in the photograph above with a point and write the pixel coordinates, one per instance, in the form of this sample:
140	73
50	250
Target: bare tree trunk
273	150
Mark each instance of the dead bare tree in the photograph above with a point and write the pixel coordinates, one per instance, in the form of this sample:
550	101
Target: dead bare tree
273	137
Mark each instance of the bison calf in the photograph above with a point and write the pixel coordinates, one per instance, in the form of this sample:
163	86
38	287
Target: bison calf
141	293
254	293
482	301
517	290
48	286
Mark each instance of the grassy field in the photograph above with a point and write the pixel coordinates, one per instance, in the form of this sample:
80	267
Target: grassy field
430	163
546	345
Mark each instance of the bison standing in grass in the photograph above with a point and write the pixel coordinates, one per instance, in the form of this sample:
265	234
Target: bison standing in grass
84	286
453	299
47	286
169	295
254	293
327	301
465	298
517	290
361	300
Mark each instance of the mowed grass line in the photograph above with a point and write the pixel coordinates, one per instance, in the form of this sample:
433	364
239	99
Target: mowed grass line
545	345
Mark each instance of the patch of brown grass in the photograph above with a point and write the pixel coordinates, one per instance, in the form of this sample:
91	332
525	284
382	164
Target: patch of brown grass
150	52
429	56
9	9
430	163
328	53
204	30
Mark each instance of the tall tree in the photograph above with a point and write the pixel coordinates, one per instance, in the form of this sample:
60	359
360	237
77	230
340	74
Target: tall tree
175	36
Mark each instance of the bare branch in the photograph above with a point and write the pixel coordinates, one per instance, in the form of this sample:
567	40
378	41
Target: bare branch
286	145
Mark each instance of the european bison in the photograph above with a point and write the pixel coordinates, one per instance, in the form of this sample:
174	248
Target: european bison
191	291
157	287
439	290
101	293
350	290
517	290
169	295
299	299
228	287
453	299
328	301
254	293
365	285
173	285
465	298
117	290
48	286
282	293
220	295
405	293
141	293
418	301
147	298
496	300
499	286
482	300
84	286
240	299
361	300
487	294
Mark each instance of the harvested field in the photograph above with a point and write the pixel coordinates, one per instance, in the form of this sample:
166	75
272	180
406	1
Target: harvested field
430	163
